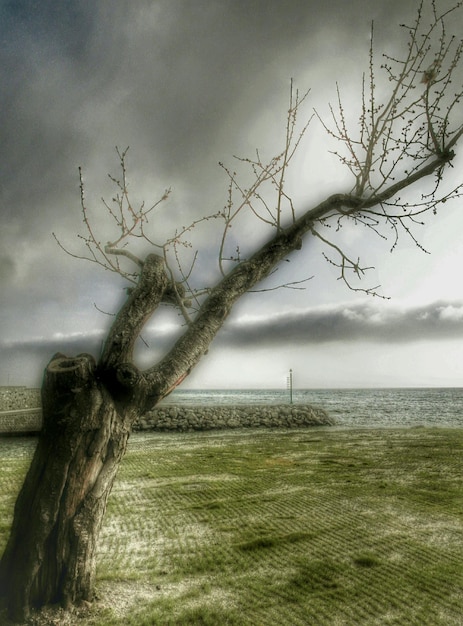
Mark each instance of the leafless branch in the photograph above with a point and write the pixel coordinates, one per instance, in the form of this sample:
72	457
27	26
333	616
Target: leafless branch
399	142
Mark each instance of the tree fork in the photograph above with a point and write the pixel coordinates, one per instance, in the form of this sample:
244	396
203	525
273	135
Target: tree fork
88	412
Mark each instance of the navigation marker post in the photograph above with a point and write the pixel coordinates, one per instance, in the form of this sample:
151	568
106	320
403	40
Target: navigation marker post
289	385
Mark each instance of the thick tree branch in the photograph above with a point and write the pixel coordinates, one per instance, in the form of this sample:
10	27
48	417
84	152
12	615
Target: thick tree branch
140	305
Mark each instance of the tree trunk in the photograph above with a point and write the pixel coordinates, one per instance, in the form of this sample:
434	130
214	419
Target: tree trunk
50	556
88	412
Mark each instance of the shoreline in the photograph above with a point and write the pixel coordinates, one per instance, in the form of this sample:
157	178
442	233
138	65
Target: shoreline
347	409
187	418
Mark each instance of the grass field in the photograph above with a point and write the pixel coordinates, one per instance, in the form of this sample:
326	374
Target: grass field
319	526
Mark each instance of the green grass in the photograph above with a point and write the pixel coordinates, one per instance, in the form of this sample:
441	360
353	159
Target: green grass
319	526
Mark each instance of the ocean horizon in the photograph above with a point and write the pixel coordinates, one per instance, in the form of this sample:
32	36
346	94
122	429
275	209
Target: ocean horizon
375	407
349	407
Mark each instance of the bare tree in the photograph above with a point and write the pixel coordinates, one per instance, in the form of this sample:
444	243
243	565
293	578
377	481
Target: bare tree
400	141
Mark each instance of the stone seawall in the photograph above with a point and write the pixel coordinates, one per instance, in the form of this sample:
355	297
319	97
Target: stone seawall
188	418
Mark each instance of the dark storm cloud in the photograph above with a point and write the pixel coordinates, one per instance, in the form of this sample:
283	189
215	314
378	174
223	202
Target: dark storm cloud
179	81
353	323
203	60
441	320
78	78
41	42
23	361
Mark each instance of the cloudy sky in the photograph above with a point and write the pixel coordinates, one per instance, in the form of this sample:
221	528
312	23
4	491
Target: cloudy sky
186	84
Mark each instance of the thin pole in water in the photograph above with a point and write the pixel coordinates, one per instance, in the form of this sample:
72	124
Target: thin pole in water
289	383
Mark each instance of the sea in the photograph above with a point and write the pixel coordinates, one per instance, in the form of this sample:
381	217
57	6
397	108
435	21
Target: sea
365	408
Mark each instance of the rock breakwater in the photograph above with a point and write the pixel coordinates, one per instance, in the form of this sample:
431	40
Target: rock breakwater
20	412
188	418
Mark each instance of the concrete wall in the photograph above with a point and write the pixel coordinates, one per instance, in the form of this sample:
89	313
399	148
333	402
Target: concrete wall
21	421
13	398
20	410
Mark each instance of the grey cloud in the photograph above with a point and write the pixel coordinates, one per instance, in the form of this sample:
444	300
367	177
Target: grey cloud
177	80
7	269
24	361
441	320
161	76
